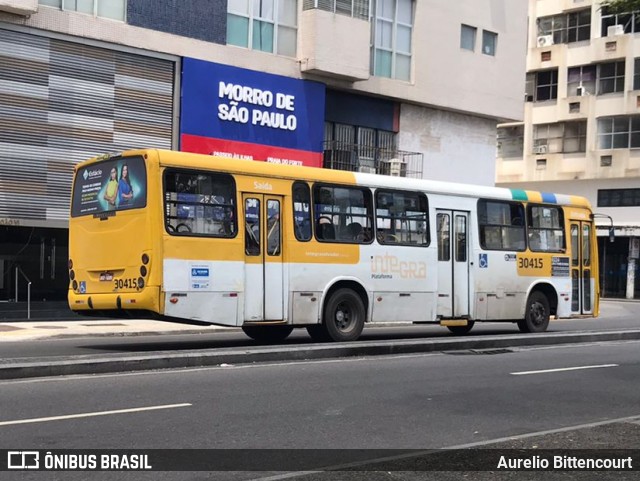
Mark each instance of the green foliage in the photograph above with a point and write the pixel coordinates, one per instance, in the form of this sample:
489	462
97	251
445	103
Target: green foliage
621	6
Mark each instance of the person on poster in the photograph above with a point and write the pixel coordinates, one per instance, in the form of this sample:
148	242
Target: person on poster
111	192
125	191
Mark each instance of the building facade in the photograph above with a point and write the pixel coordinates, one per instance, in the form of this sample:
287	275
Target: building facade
400	87
581	132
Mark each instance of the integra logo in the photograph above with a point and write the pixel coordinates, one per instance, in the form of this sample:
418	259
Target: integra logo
90	174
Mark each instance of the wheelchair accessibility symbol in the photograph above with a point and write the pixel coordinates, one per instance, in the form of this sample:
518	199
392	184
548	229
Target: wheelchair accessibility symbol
483	261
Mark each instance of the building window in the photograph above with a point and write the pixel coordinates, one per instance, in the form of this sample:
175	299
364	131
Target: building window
511	142
350	147
468	37
581	80
489	42
618	197
544	85
564	137
636	74
619	132
630	22
267	25
351	8
566	28
114	9
611	77
392	31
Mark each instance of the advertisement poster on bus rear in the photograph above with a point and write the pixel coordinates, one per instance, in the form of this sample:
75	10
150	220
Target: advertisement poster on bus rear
110	186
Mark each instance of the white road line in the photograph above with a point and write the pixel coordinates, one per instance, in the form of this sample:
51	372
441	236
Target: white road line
562	369
94	414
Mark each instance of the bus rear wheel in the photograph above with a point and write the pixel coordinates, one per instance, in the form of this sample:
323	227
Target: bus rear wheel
344	316
461	330
536	315
268	334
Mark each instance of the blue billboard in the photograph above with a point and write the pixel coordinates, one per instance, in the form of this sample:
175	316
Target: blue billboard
230	110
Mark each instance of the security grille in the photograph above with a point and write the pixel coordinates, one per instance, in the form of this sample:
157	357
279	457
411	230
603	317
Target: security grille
62	102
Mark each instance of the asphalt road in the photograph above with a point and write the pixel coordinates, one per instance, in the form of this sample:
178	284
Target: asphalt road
614	315
416	402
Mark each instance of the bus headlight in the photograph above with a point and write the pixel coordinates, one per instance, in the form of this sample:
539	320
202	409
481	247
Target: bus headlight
72	275
75	285
145	259
140	282
143	271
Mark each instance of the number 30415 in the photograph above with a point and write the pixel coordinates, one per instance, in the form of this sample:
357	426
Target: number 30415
530	263
125	283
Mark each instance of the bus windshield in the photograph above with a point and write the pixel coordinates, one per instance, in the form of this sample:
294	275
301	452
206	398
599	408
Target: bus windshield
111	185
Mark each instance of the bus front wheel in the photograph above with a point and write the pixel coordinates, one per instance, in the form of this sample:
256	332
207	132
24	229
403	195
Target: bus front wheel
268	334
344	316
536	315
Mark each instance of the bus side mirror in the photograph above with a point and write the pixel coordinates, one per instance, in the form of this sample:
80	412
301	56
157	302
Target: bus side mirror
612	234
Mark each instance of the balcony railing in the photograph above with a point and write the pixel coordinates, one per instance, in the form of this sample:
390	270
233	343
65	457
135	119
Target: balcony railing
372	160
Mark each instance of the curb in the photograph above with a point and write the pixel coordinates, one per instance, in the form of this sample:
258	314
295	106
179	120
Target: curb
116	363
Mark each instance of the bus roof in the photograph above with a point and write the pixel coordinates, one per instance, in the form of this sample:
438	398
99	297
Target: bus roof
265	169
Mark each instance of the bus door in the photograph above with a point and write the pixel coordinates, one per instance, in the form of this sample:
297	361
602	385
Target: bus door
264	280
453	263
582	282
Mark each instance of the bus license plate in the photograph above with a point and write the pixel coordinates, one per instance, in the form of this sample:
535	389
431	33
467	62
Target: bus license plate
106	276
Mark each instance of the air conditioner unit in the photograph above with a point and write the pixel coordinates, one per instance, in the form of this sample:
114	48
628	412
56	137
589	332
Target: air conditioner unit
615	30
540	149
397	168
581	91
545	40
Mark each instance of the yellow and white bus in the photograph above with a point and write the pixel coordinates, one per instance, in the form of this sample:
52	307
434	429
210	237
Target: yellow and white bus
269	248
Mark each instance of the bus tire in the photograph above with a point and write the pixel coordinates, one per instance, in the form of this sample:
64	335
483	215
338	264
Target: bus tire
344	315
318	333
268	334
461	330
536	315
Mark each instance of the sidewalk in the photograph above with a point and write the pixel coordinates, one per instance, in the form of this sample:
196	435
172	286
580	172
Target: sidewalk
26	331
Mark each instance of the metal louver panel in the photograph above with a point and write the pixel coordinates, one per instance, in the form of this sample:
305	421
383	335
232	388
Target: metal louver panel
63	102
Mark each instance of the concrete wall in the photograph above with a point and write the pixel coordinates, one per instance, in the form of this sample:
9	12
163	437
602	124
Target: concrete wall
444	75
456	147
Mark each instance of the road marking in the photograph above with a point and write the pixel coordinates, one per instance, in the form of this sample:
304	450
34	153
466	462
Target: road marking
94	414
488	442
562	369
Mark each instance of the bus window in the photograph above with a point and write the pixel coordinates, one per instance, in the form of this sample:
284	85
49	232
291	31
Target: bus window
200	204
501	225
444	247
402	218
273	227
252	227
302	211
545	228
343	214
461	238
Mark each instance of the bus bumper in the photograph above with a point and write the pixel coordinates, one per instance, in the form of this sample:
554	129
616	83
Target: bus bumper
148	300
